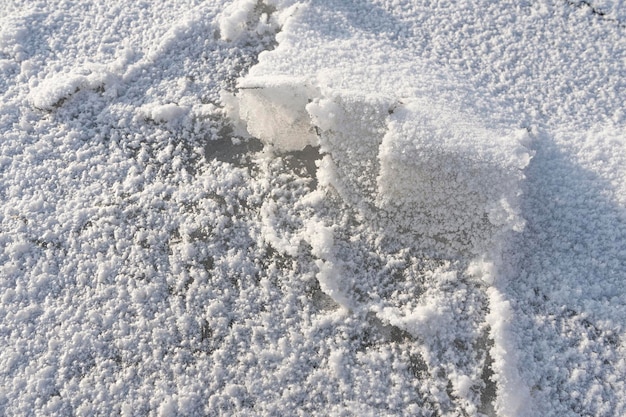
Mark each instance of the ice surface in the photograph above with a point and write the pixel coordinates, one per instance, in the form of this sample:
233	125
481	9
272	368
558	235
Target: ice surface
321	207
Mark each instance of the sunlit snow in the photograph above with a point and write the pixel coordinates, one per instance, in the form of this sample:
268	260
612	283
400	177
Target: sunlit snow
313	207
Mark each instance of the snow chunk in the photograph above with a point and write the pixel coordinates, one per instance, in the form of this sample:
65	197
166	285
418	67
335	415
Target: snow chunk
168	408
329	278
255	16
234	19
320	238
422	169
330	275
166	113
13	37
274	111
444	175
53	91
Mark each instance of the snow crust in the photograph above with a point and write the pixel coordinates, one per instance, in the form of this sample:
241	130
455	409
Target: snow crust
321	207
428	160
467	172
436	172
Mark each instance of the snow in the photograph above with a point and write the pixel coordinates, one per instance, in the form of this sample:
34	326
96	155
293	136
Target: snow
276	114
315	207
169	113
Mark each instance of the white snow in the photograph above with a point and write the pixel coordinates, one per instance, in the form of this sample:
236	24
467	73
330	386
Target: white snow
170	112
513	394
276	114
315	207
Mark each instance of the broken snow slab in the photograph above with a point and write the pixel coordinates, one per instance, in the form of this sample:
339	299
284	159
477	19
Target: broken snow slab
406	143
429	174
410	150
420	159
274	111
444	175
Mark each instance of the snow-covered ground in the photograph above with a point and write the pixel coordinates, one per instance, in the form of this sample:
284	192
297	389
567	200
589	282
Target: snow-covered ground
313	207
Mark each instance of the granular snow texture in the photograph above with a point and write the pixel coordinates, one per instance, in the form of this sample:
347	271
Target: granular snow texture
314	207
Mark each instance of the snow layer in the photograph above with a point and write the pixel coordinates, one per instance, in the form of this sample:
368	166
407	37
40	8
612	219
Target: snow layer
324	207
428	116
